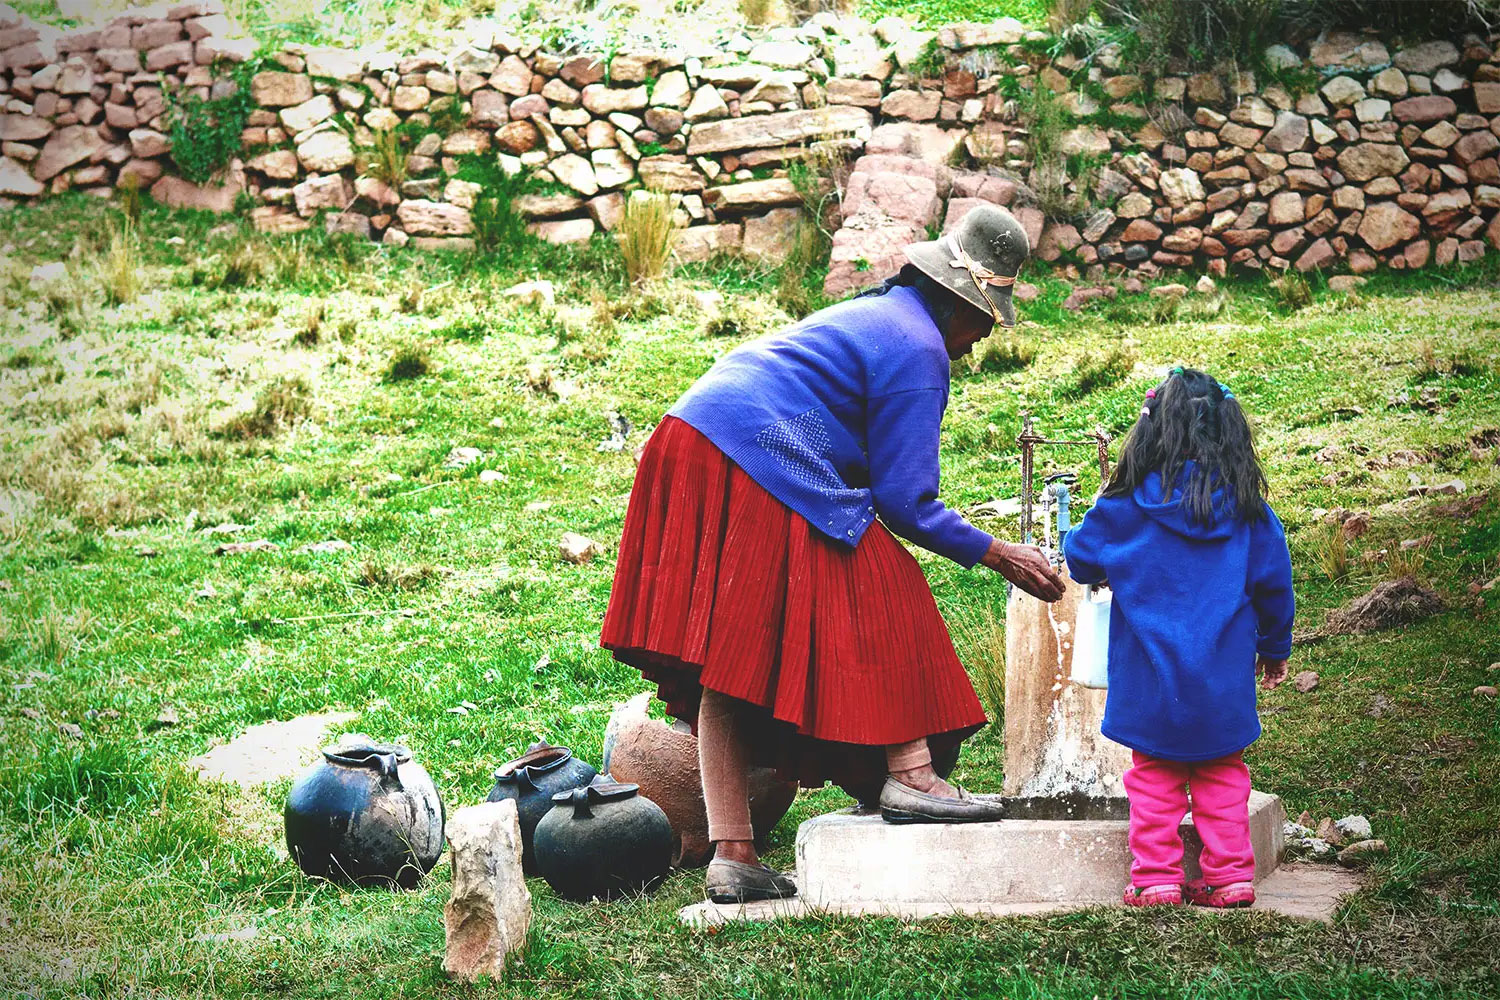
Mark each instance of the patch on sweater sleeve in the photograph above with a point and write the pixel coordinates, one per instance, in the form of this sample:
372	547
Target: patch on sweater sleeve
801	446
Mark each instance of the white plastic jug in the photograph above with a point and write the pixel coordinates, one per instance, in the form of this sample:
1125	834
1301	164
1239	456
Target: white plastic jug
1091	638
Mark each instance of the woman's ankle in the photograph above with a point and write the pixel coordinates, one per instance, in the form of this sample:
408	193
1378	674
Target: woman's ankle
923	779
736	850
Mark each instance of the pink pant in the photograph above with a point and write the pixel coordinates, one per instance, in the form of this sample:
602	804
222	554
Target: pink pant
1158	791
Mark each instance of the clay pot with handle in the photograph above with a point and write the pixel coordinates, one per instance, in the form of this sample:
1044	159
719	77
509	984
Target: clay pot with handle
663	761
602	841
531	780
367	814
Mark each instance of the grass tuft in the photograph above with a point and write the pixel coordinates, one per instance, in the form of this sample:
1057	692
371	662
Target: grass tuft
280	403
647	234
1101	368
409	361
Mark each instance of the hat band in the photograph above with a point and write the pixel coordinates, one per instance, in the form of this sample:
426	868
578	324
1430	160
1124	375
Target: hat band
980	274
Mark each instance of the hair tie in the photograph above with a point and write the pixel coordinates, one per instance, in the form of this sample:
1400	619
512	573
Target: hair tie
1225	390
1177	370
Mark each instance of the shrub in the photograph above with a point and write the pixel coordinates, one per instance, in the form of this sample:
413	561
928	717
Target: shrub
206	133
647	234
1101	369
280	403
408	361
384	158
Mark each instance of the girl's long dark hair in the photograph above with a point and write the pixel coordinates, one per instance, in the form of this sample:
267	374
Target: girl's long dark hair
1190	417
941	303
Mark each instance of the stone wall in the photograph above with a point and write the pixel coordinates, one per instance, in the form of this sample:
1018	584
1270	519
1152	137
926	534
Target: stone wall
1385	157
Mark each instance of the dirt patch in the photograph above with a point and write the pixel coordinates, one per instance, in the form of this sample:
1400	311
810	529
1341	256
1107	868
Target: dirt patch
1388	605
269	751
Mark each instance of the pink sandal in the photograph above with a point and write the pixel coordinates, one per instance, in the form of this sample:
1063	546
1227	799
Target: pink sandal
1154	895
1235	895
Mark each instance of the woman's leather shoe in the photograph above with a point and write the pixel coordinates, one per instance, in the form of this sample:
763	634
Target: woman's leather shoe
903	804
738	882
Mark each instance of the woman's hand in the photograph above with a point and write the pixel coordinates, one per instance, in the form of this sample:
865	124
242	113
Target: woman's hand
1272	672
1026	567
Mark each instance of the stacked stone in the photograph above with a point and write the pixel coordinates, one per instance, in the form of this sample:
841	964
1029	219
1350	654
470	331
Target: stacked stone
1391	159
85	109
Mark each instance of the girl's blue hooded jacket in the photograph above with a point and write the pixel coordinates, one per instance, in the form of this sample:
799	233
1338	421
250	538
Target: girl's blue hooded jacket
1193	606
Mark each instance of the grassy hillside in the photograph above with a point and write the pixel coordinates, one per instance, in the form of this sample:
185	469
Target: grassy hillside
310	390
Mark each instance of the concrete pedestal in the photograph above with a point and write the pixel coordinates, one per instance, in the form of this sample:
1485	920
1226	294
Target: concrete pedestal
855	863
848	860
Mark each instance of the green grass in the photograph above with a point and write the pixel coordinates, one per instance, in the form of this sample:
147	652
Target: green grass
933	13
114	861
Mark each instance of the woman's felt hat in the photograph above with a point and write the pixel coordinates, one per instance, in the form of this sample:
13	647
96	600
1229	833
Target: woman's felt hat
978	260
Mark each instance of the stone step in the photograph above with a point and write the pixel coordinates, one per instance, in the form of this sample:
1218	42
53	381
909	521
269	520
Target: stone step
853	862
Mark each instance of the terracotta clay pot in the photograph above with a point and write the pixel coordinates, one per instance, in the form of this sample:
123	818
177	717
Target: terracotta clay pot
365	814
603	841
663	761
531	780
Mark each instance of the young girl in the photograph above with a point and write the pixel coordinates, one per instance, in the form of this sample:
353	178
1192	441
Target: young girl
1202	585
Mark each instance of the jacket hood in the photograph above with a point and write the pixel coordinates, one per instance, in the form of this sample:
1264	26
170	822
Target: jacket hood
1173	515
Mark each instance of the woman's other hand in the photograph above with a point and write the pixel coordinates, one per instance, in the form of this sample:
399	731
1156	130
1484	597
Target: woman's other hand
1026	567
1272	672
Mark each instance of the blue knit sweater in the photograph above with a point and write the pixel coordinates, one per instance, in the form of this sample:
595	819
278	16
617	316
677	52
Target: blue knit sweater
837	417
1193	605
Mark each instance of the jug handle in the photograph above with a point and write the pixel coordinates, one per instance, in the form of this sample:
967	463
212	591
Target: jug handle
580	802
389	775
523	778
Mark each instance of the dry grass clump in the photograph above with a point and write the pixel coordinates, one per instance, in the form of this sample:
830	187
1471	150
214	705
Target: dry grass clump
647	234
310	331
120	267
279	404
1099	369
742	317
408	361
384	158
1292	291
56	635
1331	550
379	575
1008	355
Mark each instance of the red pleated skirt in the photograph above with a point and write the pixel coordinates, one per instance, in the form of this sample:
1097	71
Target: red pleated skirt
840	651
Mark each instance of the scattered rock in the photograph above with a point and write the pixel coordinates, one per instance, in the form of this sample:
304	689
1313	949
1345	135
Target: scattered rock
575	548
1362	854
71	730
1486	691
533	293
1354	828
166	717
1305	681
241	548
491	476
462	457
1330	833
326	547
489	914
619	430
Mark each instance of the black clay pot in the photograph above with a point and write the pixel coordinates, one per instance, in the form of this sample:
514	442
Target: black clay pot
366	814
531	780
602	841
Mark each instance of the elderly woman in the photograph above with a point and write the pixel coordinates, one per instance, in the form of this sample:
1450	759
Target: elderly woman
758	582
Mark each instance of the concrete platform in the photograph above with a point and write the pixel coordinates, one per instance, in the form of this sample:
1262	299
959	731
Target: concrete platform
847	859
1302	891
